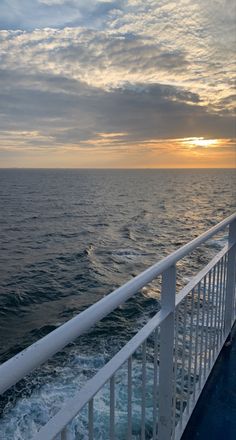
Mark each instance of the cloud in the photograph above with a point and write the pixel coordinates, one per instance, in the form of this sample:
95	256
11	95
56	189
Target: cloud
54	2
150	44
117	74
99	58
67	111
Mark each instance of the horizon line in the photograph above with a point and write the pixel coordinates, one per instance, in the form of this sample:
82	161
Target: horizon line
117	168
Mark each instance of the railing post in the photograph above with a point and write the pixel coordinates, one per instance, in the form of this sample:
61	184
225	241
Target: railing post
230	280
166	373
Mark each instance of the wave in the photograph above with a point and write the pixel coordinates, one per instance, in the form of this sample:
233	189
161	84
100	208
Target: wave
129	254
21	419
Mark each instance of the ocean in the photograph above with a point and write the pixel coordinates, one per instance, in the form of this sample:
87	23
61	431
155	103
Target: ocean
70	237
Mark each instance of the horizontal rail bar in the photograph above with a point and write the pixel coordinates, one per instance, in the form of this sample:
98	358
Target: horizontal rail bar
195	280
74	405
23	363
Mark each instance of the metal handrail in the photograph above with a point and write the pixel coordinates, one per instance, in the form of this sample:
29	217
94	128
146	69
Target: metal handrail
23	363
73	406
92	386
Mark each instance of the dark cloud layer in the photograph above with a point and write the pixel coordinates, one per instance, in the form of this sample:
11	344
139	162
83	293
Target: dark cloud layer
49	103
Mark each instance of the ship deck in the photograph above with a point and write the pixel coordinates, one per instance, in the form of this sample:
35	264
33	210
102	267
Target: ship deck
215	413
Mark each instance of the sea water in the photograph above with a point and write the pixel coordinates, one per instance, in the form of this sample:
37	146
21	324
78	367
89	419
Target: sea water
69	237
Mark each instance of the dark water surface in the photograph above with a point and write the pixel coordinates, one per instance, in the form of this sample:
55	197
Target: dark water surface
69	237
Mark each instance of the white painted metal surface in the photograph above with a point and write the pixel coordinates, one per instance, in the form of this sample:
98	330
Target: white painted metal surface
183	340
166	366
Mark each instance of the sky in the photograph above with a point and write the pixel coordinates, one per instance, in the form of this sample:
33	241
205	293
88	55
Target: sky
117	84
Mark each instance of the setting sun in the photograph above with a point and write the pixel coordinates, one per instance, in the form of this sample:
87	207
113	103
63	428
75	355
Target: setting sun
201	142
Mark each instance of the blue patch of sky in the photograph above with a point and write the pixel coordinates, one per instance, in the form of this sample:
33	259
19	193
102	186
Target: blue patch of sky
28	14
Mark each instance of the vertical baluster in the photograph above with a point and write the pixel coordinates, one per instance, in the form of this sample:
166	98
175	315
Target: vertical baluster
218	326
209	317
202	330
90	415
129	434
156	334
64	434
112	408
211	321
224	294
183	364
143	411
196	340
221	300
175	365
207	324
208	338
190	349
216	315
167	329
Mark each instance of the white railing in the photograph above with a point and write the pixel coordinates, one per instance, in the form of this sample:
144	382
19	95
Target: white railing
177	348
